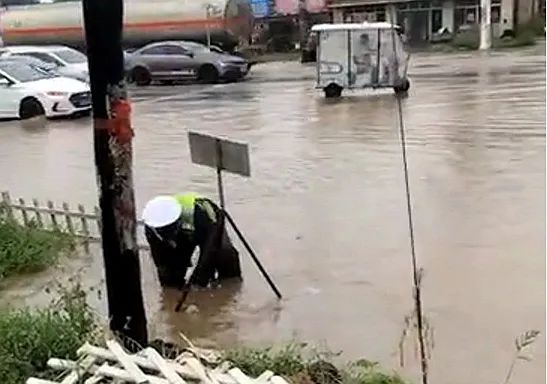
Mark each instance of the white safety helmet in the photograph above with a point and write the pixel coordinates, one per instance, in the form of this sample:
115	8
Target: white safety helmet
161	211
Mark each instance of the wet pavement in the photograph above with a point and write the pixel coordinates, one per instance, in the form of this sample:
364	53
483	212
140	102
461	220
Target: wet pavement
325	207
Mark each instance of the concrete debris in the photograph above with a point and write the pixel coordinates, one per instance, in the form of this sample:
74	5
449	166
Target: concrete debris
114	365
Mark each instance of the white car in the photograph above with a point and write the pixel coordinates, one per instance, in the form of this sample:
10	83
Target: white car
27	91
69	62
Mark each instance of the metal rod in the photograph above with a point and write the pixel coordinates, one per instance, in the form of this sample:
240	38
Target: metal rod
485	25
185	292
208	30
415	271
253	255
219	173
416	281
220	187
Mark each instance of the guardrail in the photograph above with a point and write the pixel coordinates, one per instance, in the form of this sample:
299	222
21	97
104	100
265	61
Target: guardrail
81	223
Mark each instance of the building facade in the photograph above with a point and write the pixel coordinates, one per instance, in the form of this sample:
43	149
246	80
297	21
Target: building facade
421	20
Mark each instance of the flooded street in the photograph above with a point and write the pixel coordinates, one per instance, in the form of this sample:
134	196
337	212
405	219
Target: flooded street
325	207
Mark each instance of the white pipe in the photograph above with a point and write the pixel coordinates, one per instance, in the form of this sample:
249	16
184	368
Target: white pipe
185	371
34	380
239	376
165	369
200	371
126	361
81	368
117	373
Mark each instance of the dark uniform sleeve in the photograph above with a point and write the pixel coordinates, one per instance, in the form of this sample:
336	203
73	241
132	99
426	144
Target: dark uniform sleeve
207	235
171	263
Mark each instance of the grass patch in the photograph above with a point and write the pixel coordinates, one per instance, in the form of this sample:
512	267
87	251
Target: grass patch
302	365
29	249
30	337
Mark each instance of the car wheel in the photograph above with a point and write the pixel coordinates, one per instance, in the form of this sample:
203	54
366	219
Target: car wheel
332	91
29	108
404	87
208	74
141	76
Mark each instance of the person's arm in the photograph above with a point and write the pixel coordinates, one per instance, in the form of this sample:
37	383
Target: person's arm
208	236
171	261
156	248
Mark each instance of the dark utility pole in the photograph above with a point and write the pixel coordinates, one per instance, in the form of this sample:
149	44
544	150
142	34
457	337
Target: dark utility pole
113	158
303	28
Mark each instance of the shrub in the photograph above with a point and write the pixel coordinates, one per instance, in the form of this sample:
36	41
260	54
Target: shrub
28	249
304	366
30	337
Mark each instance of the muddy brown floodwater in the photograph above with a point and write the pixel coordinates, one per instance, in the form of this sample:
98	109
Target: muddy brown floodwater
325	208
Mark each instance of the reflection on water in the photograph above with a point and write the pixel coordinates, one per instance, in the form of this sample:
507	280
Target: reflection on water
325	210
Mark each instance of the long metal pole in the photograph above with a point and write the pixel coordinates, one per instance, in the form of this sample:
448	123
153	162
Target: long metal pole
113	135
219	173
208	28
302	27
253	255
415	270
416	280
486	28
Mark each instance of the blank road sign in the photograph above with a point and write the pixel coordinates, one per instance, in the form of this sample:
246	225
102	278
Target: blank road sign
220	153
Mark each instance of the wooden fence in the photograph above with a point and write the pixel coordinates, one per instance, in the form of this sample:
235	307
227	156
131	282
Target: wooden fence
80	223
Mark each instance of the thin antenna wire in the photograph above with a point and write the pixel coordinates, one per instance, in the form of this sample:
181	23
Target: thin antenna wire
416	275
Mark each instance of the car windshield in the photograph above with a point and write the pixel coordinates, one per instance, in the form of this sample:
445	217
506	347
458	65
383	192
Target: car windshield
71	56
24	72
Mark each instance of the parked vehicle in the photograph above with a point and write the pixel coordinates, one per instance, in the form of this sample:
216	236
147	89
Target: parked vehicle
367	55
227	22
27	91
48	67
182	60
69	62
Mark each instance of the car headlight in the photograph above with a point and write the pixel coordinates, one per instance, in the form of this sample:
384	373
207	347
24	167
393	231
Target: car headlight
56	93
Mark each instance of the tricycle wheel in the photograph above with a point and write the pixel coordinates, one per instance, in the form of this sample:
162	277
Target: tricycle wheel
332	91
403	87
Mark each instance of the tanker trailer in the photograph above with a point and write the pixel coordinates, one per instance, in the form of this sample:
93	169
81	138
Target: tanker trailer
227	22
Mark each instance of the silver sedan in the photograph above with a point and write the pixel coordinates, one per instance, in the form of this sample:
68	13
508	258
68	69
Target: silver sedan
183	60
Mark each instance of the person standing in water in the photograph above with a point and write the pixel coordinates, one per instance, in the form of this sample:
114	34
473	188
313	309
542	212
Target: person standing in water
175	226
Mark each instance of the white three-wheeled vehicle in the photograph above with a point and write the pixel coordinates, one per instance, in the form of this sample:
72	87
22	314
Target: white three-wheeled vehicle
367	55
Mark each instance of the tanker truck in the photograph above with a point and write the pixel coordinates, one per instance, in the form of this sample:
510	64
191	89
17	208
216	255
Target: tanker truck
226	23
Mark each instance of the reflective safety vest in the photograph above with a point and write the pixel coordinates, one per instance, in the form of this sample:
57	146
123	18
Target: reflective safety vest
188	202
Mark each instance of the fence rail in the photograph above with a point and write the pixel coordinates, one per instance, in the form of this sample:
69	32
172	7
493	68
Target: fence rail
80	223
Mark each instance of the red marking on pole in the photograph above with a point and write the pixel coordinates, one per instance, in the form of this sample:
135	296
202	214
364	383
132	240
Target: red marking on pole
120	122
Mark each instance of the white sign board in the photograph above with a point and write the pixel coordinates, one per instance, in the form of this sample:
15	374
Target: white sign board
220	154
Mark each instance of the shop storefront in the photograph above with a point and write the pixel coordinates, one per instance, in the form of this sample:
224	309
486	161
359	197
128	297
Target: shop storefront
421	20
467	13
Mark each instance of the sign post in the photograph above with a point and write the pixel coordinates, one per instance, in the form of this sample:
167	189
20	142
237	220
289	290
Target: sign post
220	154
219	173
233	157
